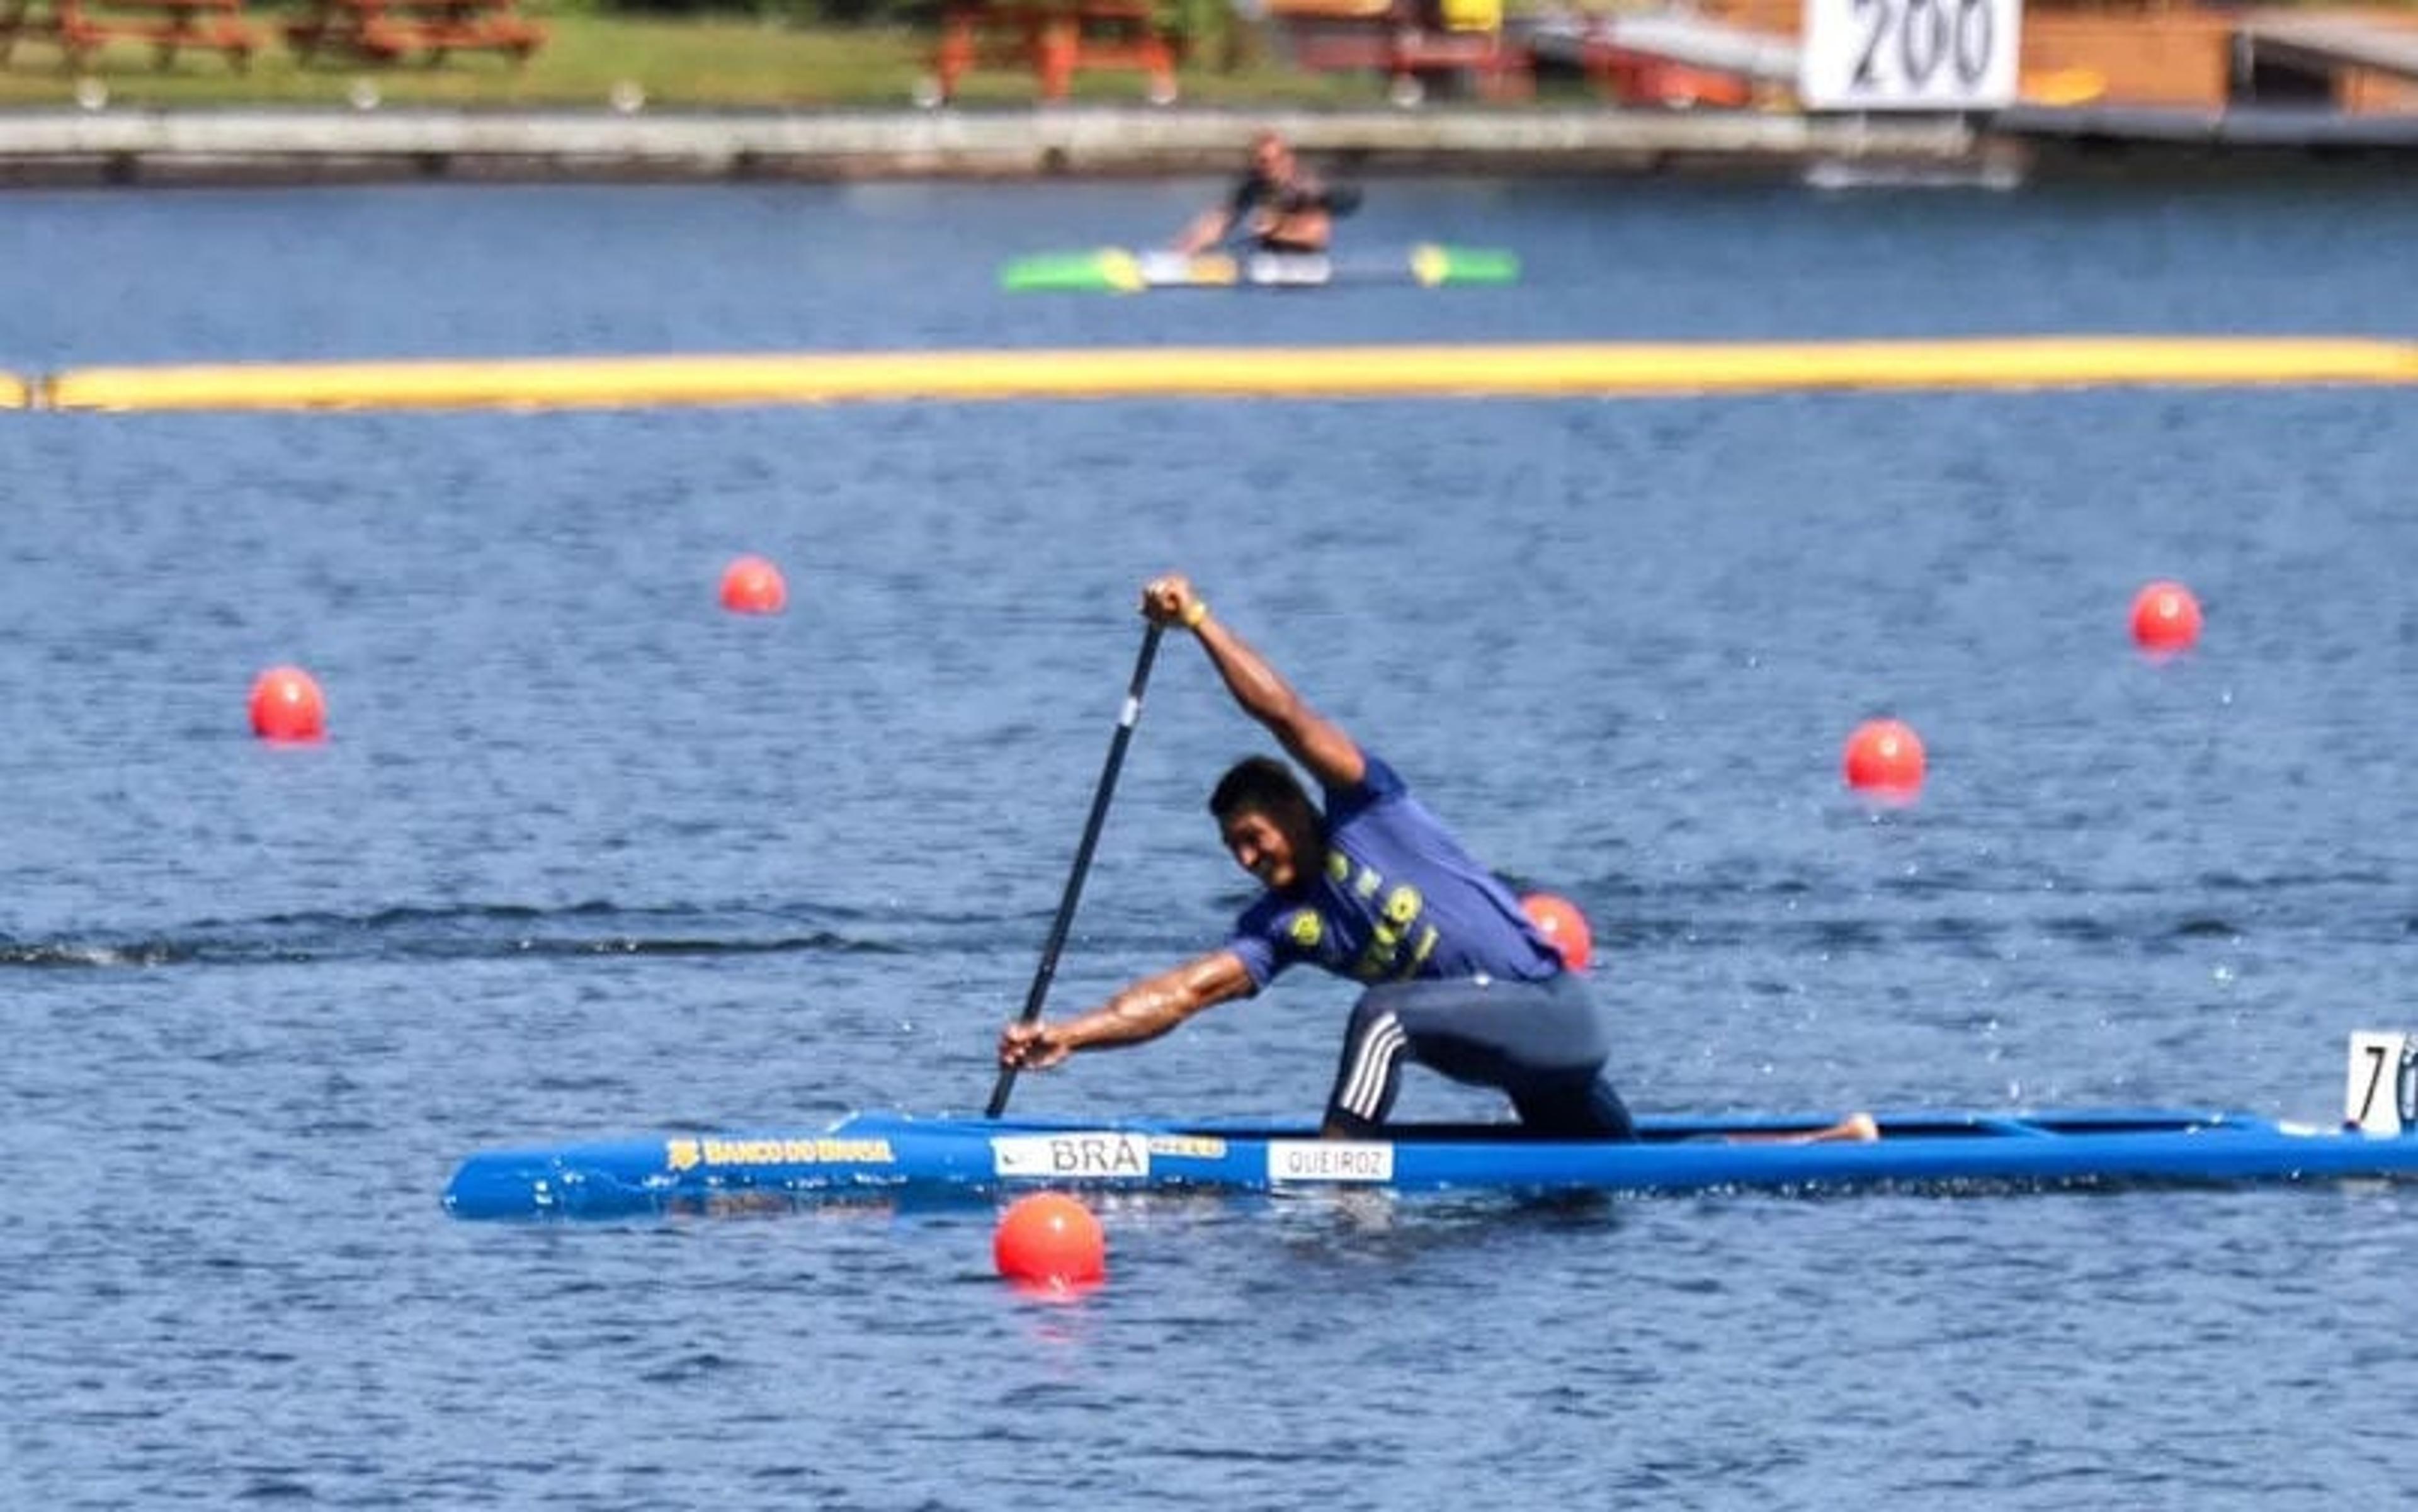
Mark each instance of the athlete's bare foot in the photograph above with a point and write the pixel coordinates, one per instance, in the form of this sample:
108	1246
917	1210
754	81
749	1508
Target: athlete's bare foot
1856	1128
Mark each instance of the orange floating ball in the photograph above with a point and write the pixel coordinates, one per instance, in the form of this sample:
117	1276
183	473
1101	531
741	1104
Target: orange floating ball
1049	1238
2166	619
751	585
1561	923
1885	758
286	705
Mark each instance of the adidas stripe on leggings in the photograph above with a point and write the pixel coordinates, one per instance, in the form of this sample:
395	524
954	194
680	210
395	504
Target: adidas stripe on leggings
1542	1042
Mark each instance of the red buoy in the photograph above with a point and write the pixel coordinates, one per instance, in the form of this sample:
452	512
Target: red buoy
2166	619
1561	923
751	585
1885	760
286	705
1051	1240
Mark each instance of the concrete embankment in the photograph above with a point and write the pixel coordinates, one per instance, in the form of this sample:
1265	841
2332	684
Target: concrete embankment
133	147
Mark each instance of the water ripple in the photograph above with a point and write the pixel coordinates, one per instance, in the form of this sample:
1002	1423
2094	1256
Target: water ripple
463	932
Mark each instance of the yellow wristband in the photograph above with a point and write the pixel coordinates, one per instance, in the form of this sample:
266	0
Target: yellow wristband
1194	613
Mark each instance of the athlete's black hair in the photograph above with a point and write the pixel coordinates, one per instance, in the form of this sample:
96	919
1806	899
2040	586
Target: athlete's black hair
1262	784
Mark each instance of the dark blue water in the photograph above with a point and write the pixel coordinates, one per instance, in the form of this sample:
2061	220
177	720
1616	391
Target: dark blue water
584	855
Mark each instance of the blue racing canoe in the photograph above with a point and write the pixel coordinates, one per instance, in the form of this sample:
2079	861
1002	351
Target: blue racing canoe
870	1154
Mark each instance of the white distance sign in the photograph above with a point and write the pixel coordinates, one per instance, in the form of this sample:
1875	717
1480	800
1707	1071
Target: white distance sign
1909	54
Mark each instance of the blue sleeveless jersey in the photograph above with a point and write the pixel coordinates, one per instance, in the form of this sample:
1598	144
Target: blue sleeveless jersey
1400	900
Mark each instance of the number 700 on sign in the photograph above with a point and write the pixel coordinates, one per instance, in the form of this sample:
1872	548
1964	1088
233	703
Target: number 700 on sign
1909	54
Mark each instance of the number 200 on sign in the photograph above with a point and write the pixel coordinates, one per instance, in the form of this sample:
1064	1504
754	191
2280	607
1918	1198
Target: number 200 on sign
1909	54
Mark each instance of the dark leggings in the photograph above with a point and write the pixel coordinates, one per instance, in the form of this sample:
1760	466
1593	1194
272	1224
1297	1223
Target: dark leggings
1542	1042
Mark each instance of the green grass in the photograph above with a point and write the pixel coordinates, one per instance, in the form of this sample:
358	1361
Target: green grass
680	65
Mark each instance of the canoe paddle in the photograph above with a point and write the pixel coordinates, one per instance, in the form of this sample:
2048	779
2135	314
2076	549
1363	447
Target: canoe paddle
1126	719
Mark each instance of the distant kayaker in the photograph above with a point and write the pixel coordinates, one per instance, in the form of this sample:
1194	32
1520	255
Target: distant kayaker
1373	887
1280	204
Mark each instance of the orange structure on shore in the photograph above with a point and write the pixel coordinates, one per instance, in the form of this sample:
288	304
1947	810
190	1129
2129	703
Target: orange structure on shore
2156	54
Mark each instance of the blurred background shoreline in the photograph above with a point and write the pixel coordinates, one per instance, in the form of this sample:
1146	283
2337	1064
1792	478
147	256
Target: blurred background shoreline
232	91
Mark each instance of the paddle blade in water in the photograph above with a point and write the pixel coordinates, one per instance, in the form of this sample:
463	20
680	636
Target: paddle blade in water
1434	266
1107	270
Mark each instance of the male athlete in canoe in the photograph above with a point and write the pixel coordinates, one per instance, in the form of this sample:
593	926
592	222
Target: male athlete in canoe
1281	206
1375	889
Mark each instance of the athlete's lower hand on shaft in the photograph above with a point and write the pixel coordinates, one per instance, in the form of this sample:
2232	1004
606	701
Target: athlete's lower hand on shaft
1031	1047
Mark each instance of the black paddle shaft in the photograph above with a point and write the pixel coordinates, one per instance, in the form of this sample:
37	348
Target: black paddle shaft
1126	719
